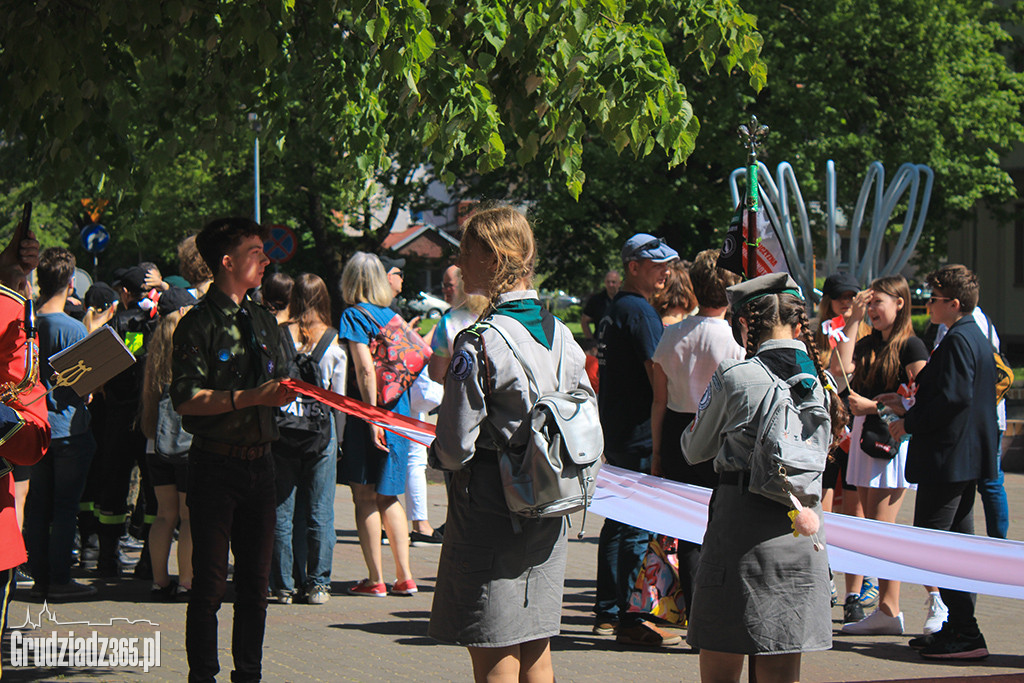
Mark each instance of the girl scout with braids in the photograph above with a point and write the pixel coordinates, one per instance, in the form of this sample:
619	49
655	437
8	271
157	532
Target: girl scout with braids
499	583
760	590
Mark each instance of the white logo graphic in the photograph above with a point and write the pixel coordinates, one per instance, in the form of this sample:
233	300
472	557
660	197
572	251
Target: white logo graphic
93	650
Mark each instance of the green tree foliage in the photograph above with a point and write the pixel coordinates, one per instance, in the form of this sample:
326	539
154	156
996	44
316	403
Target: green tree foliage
855	81
148	103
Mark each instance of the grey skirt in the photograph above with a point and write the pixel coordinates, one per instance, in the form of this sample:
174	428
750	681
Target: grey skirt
759	589
496	586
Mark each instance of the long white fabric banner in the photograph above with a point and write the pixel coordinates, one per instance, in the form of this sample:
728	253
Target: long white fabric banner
890	551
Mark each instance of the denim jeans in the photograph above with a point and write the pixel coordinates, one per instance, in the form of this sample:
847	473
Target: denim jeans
620	552
51	508
993	501
304	533
231	502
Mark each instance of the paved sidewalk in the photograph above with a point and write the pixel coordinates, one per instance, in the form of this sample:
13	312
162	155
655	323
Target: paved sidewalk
373	639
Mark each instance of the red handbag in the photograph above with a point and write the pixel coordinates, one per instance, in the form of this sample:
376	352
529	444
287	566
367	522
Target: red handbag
399	355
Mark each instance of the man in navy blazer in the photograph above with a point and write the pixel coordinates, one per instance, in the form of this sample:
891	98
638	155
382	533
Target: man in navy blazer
954	444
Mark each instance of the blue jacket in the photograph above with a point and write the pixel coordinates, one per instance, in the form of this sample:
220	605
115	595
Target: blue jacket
953	422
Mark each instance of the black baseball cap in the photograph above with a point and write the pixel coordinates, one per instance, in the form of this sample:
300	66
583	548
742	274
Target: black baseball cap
174	299
133	279
99	296
390	263
838	283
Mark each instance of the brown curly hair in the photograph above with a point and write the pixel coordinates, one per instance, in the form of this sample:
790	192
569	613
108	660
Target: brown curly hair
677	294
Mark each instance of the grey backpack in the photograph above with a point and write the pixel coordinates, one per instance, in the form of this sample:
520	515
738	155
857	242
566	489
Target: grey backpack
793	438
549	467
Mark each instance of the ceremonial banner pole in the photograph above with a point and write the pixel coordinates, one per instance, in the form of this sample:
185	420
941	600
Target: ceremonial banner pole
752	136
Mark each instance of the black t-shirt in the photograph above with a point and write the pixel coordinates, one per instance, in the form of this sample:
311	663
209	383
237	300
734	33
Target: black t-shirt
597	305
629	332
913	350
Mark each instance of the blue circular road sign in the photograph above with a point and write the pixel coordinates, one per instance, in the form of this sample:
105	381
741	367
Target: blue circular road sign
95	238
281	245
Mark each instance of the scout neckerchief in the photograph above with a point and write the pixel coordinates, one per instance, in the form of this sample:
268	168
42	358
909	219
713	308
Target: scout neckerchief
529	314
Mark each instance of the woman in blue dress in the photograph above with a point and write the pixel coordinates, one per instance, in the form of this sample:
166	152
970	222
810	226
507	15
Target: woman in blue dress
373	463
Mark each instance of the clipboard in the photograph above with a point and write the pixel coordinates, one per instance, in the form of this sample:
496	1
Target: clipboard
90	363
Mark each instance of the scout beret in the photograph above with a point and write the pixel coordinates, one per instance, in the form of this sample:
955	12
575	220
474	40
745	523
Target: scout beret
763	285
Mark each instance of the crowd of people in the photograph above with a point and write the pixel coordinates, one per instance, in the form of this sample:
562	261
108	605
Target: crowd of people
698	364
678	357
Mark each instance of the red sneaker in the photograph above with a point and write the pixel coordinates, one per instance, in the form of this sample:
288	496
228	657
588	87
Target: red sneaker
365	587
407	587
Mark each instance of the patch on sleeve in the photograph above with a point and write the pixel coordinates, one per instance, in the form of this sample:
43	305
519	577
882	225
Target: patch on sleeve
716	383
462	365
705	400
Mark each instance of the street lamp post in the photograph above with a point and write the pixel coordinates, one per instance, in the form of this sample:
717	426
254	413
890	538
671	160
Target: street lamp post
254	121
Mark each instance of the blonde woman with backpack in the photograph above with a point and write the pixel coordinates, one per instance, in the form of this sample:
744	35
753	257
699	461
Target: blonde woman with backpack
499	585
760	591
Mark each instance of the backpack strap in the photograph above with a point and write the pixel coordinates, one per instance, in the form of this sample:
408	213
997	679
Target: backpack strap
373	321
286	334
792	381
526	368
326	339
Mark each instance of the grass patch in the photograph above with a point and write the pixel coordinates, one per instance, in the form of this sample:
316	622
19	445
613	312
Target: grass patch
426	325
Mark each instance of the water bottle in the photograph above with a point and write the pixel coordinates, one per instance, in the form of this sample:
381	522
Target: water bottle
888	417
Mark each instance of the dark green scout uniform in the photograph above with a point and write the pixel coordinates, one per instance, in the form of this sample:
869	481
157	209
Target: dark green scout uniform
222	346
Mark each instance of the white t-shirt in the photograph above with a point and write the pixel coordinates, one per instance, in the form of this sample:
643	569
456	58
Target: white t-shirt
689	353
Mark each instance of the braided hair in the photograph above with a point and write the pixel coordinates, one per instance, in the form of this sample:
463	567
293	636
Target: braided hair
507	234
765	313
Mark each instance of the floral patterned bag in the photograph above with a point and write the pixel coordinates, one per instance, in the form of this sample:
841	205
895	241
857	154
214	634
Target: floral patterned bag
399	355
657	590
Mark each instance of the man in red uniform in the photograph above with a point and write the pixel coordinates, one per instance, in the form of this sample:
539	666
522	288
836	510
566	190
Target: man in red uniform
24	430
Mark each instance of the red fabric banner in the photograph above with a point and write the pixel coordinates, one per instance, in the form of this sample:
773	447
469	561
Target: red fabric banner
406	427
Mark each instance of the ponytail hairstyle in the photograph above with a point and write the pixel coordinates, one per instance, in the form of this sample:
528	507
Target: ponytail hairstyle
873	368
507	234
767	312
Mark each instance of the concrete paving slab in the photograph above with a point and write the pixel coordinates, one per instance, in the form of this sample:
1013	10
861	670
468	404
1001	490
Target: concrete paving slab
354	638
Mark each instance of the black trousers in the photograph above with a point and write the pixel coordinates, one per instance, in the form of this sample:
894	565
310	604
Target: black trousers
7	584
231	502
950	507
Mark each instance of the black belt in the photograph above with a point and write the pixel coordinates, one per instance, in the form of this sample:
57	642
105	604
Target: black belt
229	450
739	478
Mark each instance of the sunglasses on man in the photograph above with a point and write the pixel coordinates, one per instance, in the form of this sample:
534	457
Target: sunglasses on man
652	244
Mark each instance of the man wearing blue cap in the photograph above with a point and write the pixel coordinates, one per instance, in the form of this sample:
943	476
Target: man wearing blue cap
629	334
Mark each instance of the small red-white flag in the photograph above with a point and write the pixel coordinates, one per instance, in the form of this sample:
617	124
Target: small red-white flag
908	392
833	329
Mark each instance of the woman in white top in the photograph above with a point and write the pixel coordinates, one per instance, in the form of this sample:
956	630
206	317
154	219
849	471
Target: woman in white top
687	356
880	362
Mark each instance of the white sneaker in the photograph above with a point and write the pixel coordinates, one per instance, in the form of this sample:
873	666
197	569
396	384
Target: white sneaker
937	614
878	623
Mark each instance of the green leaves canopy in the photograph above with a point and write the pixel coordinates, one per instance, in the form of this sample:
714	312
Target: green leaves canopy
114	89
922	81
